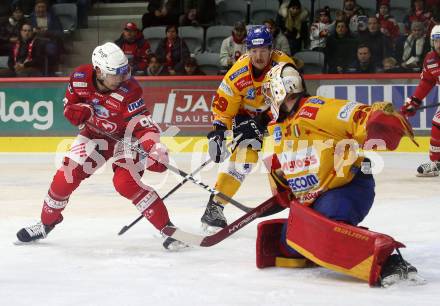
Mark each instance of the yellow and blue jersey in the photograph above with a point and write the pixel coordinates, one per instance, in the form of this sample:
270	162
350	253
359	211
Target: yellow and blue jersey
240	92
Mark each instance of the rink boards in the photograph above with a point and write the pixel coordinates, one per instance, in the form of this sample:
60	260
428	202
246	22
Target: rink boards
31	109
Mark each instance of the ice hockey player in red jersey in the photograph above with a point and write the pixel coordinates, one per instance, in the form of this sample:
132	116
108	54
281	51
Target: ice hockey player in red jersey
104	97
429	78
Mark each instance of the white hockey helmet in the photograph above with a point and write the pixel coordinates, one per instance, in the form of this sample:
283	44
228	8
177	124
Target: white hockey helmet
281	81
435	34
111	60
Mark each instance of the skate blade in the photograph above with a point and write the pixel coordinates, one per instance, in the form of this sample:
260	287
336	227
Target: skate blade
177	247
18	242
210	230
413	279
433	174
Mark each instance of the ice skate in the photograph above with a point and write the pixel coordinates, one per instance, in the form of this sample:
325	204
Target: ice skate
33	233
213	219
397	270
429	169
174	245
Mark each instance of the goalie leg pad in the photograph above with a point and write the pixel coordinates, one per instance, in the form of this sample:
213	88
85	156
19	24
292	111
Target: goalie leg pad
269	249
337	246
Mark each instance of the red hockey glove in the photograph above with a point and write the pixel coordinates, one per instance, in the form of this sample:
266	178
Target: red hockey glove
157	156
410	107
78	113
384	123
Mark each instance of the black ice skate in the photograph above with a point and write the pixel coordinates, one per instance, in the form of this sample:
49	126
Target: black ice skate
173	245
34	232
213	219
396	270
429	169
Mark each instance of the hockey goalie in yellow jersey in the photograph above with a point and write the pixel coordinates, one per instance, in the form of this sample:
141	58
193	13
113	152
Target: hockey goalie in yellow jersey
239	105
316	171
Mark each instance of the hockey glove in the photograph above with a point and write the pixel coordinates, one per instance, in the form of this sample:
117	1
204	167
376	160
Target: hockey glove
78	113
217	145
251	134
157	158
388	125
410	107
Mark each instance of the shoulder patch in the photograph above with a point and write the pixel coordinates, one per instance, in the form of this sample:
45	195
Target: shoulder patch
79	75
79	84
345	111
117	96
316	101
238	72
226	88
135	105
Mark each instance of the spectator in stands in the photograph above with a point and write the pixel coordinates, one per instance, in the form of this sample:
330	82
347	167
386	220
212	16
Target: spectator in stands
135	47
321	29
411	50
155	66
390	65
418	13
379	44
26	56
352	12
161	13
206	7
340	50
388	25
26	5
10	29
292	20
173	51
435	20
83	7
233	46
192	67
190	18
48	27
363	62
280	41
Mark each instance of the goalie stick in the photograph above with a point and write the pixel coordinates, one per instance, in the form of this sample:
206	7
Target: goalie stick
210	240
127	227
175	170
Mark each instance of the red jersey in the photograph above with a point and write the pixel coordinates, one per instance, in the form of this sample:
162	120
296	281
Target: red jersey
430	75
113	109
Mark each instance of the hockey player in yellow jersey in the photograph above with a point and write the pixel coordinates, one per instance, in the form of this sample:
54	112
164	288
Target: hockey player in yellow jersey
316	171
239	105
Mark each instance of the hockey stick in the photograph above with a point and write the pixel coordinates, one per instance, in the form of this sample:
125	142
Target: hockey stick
175	170
207	241
127	227
429	106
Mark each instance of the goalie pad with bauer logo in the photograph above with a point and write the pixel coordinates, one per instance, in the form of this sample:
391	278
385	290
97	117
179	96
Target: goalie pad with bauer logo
340	247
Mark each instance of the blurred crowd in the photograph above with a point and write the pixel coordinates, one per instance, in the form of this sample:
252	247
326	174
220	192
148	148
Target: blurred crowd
350	38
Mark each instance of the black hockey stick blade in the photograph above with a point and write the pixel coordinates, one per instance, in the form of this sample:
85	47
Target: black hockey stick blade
210	240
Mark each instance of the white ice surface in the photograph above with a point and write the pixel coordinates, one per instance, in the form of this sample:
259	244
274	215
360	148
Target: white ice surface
84	262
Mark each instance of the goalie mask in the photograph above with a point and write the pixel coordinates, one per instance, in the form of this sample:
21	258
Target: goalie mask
112	62
280	82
